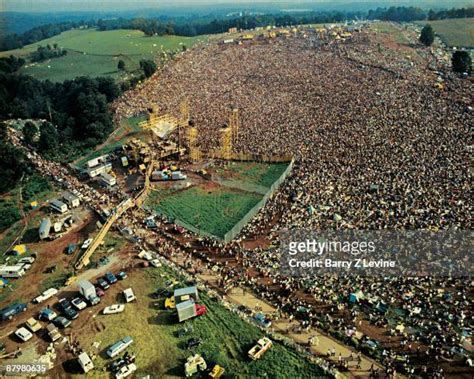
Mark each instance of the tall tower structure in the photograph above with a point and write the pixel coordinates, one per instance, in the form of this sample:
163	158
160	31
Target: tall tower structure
226	142
194	152
234	123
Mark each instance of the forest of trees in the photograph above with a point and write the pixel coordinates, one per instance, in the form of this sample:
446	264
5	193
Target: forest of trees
43	53
212	25
76	110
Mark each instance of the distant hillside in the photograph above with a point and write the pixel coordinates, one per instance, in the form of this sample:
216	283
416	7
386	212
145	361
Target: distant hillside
454	32
93	53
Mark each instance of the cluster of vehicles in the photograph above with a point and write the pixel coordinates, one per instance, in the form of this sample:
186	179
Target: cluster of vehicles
65	310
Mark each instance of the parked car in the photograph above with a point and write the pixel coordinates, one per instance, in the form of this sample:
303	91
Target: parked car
66	308
33	325
79	303
23	334
47	314
115	308
110	278
102	283
122	275
126	371
184	331
193	342
61	322
99	291
129	295
155	263
263	321
86	243
28	260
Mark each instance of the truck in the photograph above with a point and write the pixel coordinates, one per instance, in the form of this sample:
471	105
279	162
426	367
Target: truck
9	312
189	309
85	362
53	332
262	345
87	290
45	295
217	372
16	271
193	364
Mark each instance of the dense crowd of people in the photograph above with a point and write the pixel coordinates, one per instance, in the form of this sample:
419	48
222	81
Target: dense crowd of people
377	145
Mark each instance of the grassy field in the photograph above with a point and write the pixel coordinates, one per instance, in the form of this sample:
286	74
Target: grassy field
263	174
160	352
454	32
95	53
390	28
213	210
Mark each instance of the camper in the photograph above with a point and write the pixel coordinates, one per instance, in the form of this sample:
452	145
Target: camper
108	179
189	309
96	171
71	200
44	228
16	271
96	161
119	346
58	206
85	362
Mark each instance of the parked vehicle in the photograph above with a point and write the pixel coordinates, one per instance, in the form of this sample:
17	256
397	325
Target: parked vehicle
85	362
155	263
122	275
193	342
119	346
89	292
86	243
61	322
102	283
189	309
110	278
11	311
53	332
184	331
28	260
45	295
100	292
33	325
126	371
129	295
47	314
170	303
194	364
66	308
23	334
262	320
79	303
115	308
263	344
216	372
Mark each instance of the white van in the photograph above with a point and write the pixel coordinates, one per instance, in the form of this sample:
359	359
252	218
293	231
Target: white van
129	295
85	362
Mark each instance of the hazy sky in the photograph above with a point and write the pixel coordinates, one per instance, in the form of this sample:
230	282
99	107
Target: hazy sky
117	5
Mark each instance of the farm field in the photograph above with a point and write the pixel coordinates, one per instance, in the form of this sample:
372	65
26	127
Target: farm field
213	209
159	351
454	32
96	53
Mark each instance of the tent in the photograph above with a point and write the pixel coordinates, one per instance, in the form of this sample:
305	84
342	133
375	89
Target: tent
19	249
355	297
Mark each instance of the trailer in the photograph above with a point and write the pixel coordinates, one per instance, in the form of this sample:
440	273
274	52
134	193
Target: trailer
58	206
16	271
189	309
44	228
71	200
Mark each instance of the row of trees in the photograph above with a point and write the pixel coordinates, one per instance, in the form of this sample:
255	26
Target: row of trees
43	53
207	25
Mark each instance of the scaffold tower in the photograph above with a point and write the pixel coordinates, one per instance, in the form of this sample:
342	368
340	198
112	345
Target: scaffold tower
226	142
234	123
194	152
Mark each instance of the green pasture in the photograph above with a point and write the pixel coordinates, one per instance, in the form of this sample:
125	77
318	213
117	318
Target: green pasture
262	174
457	32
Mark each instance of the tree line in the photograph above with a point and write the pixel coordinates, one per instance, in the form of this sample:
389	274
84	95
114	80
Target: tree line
211	25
